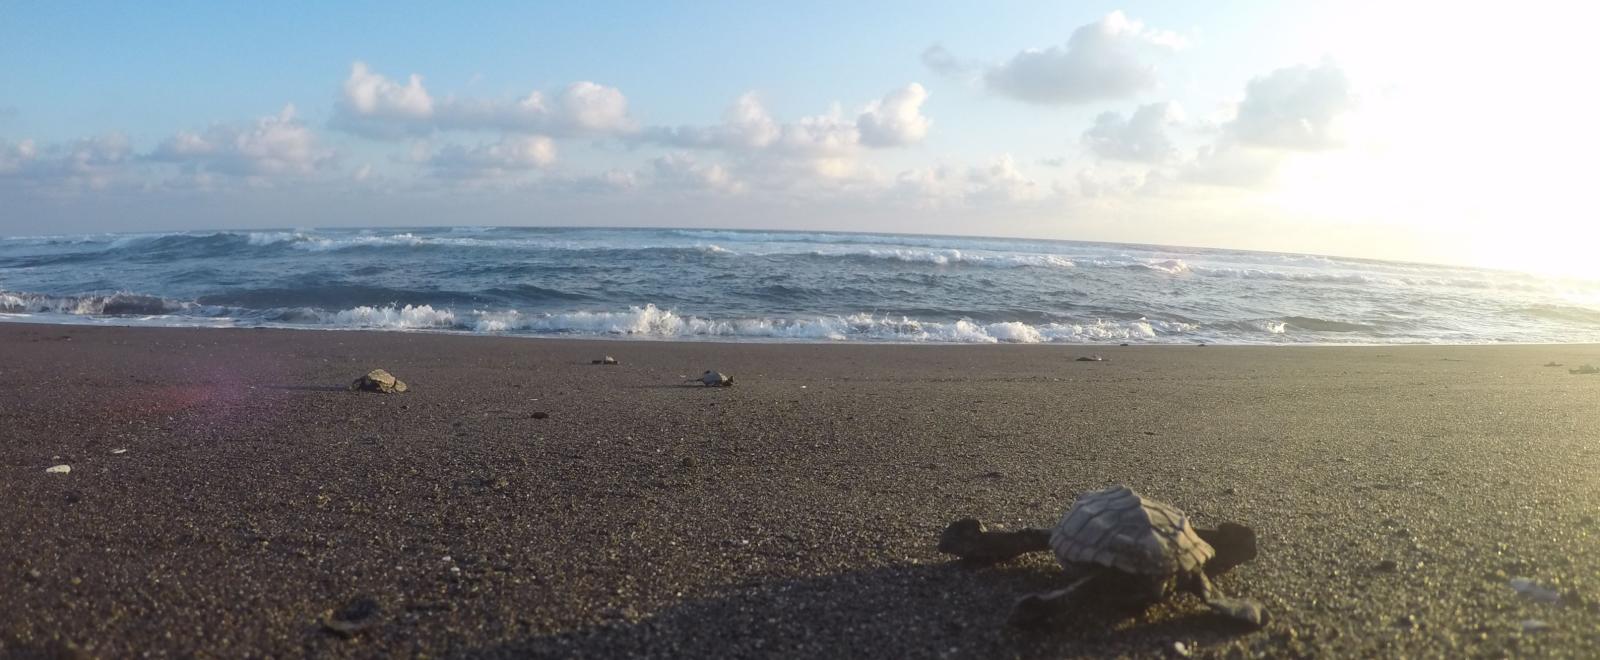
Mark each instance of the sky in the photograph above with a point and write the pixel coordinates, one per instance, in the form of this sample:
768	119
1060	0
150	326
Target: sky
1425	131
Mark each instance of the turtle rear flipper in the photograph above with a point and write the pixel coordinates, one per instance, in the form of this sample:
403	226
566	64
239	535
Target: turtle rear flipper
1034	610
1234	544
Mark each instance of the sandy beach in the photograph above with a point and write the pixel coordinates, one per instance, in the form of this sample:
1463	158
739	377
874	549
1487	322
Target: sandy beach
1397	491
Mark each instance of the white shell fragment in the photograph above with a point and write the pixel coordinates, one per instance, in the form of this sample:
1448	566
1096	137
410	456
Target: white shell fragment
1535	626
1534	591
58	469
119	451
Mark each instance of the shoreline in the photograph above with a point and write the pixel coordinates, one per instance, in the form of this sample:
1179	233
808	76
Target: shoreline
1397	493
626	338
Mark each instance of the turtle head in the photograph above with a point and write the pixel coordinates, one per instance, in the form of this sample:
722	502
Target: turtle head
960	537
1234	544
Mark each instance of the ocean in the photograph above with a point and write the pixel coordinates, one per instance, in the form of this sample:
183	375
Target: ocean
684	284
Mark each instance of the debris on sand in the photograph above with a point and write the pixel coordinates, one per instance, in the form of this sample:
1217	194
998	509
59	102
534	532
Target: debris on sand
1585	369
58	469
1552	364
380	381
605	360
1091	358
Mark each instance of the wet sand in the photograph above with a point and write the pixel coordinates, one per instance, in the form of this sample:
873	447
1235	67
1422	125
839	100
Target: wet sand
1397	491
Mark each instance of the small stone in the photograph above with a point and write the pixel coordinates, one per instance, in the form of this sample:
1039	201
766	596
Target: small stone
690	462
58	469
1181	649
35	575
1409	622
1123	344
352	619
1387	566
541	415
1231	490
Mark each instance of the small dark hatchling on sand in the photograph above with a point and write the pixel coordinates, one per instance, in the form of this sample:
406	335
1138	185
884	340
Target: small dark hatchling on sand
714	379
1118	545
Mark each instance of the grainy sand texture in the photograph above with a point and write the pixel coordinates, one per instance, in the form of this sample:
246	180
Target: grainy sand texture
228	497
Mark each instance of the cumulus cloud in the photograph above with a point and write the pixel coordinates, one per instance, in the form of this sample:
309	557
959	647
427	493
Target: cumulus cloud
747	126
510	155
370	94
1232	165
1296	108
895	120
681	172
944	185
269	146
1141	138
373	105
1110	58
92	161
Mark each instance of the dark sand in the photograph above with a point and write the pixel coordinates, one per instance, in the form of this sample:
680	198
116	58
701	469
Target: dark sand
792	515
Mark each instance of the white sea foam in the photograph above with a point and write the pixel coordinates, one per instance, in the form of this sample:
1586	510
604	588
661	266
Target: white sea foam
948	257
651	321
409	317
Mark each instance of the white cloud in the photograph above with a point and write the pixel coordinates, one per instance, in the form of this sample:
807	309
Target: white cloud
1107	59
1296	108
93	162
1141	138
747	127
269	146
896	120
999	183
1232	165
369	94
511	154
375	106
680	172
941	61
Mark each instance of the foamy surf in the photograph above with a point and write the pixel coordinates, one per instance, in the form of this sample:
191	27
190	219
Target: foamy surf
727	285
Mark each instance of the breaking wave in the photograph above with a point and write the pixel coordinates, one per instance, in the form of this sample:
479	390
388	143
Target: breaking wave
772	286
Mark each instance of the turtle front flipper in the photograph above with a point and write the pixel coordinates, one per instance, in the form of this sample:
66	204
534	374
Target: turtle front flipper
968	539
1243	610
1234	544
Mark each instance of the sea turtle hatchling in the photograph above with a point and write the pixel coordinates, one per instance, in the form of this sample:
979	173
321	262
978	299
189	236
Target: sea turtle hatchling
605	360
1117	544
715	379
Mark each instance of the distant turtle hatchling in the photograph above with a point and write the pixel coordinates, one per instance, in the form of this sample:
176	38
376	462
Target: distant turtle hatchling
1091	358
715	379
1119	546
605	360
